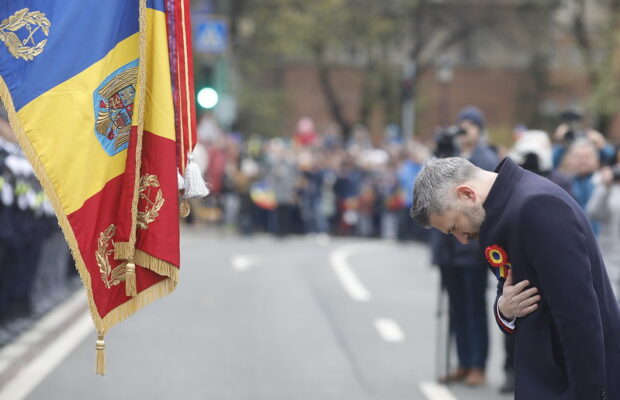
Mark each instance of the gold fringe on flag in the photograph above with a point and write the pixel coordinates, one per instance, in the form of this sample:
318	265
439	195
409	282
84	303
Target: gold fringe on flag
156	265
123	252
144	298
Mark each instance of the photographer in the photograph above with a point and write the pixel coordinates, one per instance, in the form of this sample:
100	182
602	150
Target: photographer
604	207
533	151
463	271
570	130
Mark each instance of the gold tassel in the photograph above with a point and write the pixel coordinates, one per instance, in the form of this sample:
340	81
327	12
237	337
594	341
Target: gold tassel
100	353
130	280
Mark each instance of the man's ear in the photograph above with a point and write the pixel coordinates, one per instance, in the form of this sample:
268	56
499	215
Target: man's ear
466	193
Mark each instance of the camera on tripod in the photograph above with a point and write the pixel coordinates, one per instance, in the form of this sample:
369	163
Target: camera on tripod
446	141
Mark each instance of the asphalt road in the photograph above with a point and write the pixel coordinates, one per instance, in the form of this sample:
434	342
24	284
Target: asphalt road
261	318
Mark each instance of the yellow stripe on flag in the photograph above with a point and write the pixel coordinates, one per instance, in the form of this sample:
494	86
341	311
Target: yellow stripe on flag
82	169
159	114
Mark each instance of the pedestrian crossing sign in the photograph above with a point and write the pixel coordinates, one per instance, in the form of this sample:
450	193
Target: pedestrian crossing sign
211	36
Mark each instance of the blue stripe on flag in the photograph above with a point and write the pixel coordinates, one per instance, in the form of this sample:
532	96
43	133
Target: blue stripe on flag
156	5
81	33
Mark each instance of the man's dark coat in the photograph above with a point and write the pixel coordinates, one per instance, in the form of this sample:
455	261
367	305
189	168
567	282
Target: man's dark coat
569	348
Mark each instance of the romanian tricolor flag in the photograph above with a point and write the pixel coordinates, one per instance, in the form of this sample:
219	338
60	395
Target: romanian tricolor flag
99	94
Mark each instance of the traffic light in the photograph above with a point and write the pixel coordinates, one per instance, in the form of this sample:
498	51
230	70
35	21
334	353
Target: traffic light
207	95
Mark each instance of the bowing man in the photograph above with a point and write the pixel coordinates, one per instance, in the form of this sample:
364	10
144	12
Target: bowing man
553	292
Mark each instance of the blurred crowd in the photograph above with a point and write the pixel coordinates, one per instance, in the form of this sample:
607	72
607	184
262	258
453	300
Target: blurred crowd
311	184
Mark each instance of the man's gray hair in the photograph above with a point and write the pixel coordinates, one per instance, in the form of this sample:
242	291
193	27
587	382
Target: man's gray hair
433	185
584	142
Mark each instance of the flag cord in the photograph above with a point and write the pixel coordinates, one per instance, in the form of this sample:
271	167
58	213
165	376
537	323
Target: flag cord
130	277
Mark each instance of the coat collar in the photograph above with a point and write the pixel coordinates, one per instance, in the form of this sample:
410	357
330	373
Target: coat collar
508	174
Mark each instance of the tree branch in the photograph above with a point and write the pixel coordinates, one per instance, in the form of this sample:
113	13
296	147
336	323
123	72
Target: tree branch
329	90
583	41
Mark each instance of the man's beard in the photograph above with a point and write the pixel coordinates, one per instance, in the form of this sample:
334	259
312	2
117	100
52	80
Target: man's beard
476	215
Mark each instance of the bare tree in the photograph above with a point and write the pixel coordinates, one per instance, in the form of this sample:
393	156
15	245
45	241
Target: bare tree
598	45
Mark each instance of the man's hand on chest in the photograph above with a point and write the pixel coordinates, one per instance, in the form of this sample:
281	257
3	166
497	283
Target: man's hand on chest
517	300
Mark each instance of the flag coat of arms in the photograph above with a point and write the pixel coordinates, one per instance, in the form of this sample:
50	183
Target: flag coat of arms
100	97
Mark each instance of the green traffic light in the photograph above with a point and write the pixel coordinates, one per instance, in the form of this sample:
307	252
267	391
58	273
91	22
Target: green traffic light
207	98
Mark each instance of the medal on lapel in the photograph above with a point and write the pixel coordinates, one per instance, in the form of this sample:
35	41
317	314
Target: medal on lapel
497	257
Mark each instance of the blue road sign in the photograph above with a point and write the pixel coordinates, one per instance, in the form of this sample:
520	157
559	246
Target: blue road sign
211	36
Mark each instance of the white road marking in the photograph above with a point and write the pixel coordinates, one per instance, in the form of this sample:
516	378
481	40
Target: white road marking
243	262
435	391
389	330
35	371
22	343
338	260
347	277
